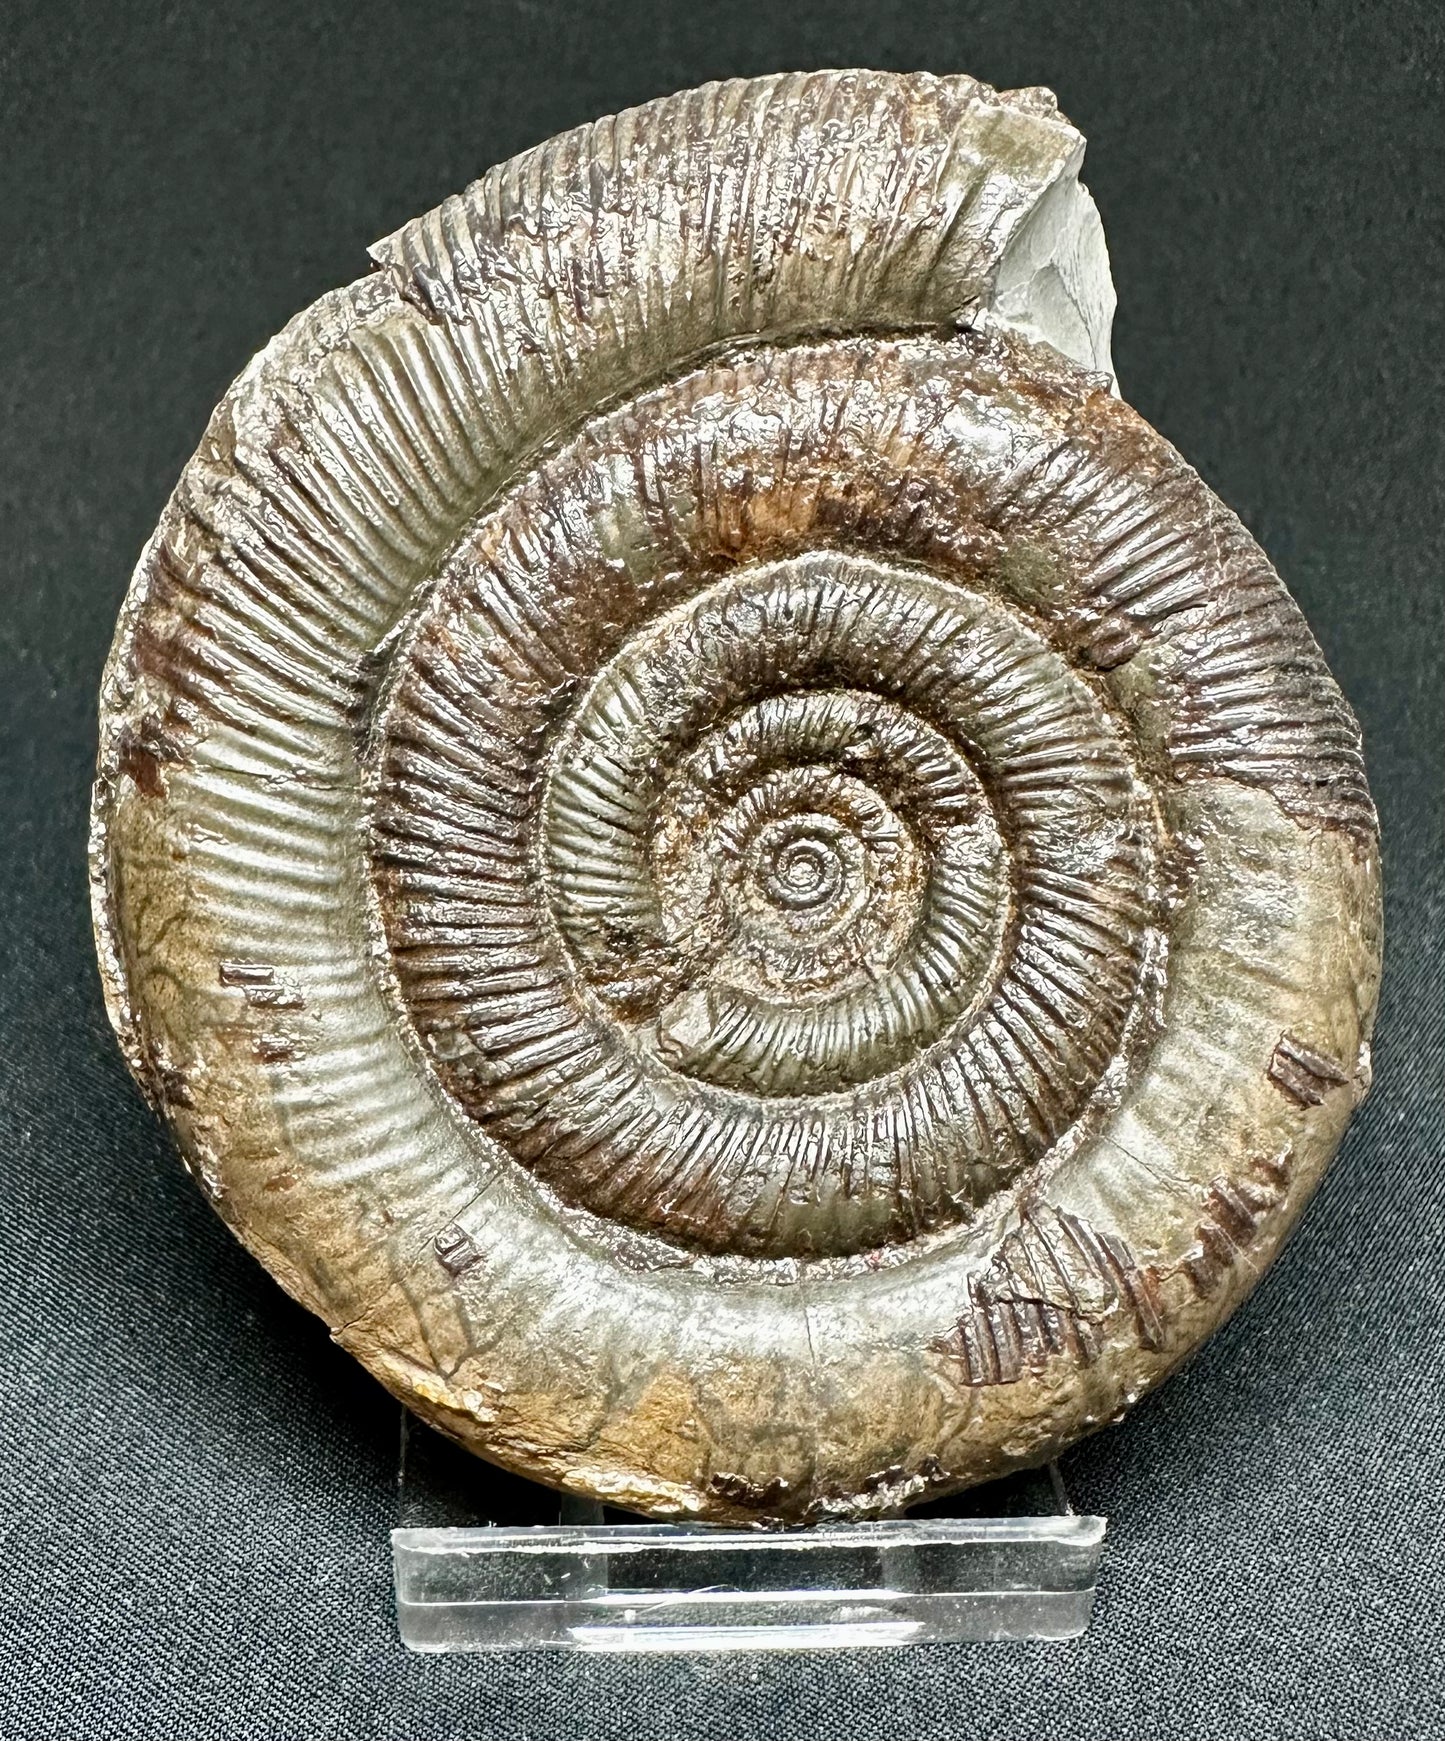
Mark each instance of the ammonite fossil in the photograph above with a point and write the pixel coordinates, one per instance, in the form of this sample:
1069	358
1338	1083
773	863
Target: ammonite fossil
711	848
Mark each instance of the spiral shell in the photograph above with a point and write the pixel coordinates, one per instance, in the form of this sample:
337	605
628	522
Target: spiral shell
712	849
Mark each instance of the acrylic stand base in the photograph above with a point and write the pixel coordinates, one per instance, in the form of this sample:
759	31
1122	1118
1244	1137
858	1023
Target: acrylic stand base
485	1561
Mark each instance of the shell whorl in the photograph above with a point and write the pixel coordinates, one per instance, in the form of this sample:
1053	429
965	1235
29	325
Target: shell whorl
678	740
753	871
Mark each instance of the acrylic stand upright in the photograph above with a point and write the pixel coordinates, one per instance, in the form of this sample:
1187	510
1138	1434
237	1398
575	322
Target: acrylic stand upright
487	1561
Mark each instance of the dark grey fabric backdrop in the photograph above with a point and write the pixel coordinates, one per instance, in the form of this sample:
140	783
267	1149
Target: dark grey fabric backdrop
197	1487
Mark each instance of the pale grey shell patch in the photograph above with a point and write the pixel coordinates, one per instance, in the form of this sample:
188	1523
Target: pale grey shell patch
717	855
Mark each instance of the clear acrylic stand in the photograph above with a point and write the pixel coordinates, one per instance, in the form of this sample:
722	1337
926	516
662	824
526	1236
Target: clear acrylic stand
487	1561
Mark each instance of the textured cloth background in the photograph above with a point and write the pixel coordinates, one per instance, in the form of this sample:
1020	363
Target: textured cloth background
196	1486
